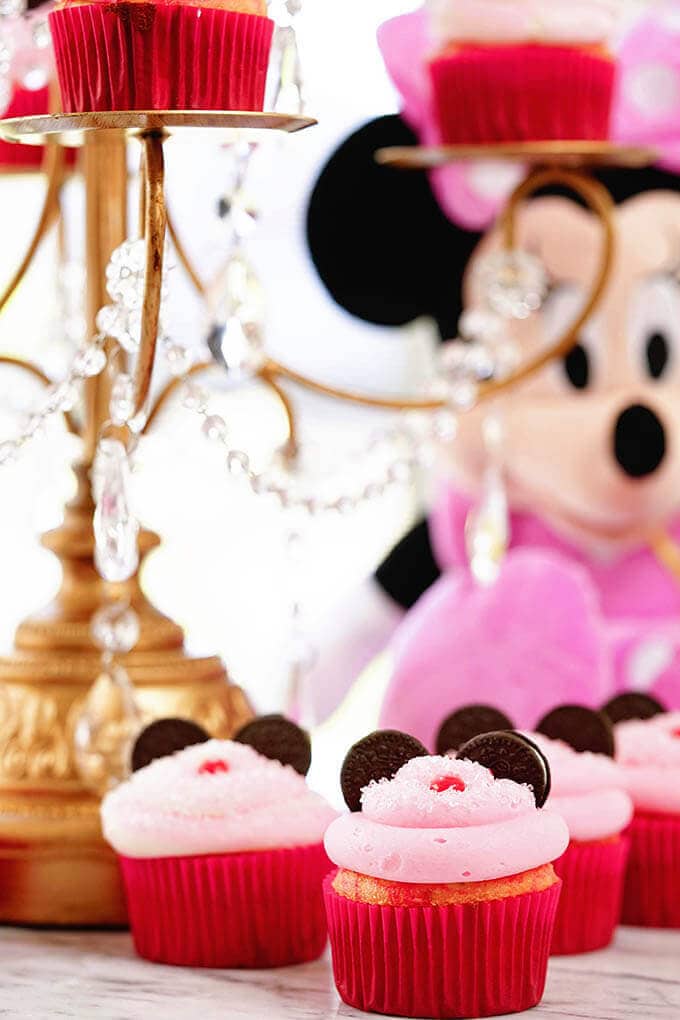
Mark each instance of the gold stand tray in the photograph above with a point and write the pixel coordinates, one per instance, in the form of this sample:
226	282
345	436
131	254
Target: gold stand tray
70	129
552	153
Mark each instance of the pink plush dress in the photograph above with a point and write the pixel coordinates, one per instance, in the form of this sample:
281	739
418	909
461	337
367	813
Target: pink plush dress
557	626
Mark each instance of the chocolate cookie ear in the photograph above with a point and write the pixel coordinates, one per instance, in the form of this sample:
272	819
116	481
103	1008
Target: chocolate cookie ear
511	755
632	706
164	737
468	722
380	243
278	738
582	728
380	755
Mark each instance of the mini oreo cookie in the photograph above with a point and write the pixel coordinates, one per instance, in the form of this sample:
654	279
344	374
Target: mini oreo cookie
278	738
468	722
633	705
581	728
510	755
162	738
380	755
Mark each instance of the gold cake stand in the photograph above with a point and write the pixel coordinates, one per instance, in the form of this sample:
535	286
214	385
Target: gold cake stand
54	865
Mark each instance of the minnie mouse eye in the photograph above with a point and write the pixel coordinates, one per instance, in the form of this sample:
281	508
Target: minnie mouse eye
577	367
657	354
654	326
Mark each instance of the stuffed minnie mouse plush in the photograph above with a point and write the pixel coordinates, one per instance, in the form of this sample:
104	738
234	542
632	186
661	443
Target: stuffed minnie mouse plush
582	608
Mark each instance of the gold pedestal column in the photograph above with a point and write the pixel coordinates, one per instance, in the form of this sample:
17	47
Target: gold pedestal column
54	865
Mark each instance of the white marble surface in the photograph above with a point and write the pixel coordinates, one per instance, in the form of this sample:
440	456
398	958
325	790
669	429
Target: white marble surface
46	974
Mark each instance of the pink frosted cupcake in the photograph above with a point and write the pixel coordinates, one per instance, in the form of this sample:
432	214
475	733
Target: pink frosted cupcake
648	751
588	792
220	847
444	901
531	70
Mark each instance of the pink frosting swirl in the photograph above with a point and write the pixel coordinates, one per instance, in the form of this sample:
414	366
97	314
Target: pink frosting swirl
217	797
516	21
587	789
441	820
649	754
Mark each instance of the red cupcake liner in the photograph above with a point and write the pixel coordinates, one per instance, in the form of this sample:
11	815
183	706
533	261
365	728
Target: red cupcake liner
486	94
148	56
592	890
470	960
26	158
260	909
651	896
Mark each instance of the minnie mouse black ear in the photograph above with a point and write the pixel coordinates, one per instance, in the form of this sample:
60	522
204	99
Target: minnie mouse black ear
468	722
510	755
380	242
278	738
581	728
380	755
633	705
164	737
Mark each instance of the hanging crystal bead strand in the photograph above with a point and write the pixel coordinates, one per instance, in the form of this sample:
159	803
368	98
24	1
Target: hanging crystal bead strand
89	361
115	526
236	331
122	319
286	81
487	528
110	718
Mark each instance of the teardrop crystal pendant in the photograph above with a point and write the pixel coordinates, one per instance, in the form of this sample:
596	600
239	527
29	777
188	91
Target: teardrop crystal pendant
115	628
287	87
115	526
236	335
290	92
105	729
487	530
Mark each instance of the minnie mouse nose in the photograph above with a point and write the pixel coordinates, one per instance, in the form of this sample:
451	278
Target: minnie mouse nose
639	441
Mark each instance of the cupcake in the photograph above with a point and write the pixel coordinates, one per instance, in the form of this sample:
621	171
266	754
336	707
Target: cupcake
648	751
161	54
220	846
27	90
23	103
588	792
444	898
522	70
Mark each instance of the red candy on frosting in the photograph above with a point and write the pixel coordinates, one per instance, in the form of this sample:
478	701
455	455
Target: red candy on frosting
444	783
213	767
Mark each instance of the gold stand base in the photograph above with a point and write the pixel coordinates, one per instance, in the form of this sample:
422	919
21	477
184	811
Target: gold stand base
55	867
